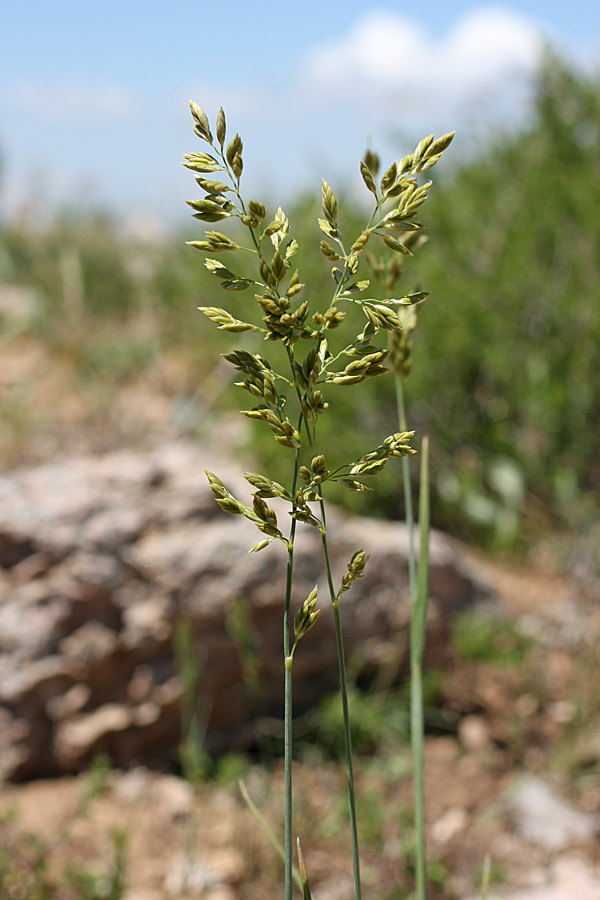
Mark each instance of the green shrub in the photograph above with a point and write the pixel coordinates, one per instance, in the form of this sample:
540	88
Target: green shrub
507	379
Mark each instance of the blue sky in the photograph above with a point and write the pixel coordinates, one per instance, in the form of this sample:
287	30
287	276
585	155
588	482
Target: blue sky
93	97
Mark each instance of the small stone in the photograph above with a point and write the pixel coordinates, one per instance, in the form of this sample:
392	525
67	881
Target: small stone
587	749
336	889
229	863
142	893
188	876
474	734
174	795
563	711
130	787
453	822
222	892
544	819
569	878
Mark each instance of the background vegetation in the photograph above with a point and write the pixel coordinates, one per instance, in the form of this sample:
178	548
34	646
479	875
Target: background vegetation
507	369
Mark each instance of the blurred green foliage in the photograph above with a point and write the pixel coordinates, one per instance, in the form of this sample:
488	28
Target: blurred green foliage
508	364
506	374
486	639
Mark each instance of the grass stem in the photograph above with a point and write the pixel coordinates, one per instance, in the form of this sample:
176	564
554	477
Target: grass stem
417	644
287	752
408	504
345	710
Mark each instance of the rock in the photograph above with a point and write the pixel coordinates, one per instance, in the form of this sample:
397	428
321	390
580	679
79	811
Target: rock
336	889
563	712
569	878
474	734
173	797
221	892
76	739
132	786
68	704
587	749
190	877
102	557
42	680
136	893
89	643
543	818
450	825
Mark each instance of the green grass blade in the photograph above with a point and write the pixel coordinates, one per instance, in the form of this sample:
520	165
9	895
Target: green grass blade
485	877
408	504
419	616
417	637
268	830
306	894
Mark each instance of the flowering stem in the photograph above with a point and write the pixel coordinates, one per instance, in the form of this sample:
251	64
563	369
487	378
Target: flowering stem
408	504
288	836
345	708
417	644
418	584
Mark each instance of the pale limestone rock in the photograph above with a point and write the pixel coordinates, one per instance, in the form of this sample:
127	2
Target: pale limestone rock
101	556
543	818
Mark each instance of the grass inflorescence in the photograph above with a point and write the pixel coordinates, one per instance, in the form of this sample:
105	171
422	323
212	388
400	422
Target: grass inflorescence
321	356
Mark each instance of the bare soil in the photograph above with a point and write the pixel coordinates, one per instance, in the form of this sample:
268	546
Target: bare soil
538	717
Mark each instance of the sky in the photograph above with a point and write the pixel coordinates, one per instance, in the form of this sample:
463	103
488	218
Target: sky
94	97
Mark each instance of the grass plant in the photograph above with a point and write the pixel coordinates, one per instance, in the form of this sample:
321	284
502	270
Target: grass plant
321	355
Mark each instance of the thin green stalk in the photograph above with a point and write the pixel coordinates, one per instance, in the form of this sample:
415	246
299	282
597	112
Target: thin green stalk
343	685
287	752
419	588
417	644
485	877
416	734
345	708
288	837
408	504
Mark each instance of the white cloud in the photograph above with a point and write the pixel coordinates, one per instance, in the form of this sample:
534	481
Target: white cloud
376	52
385	80
388	58
62	103
490	44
